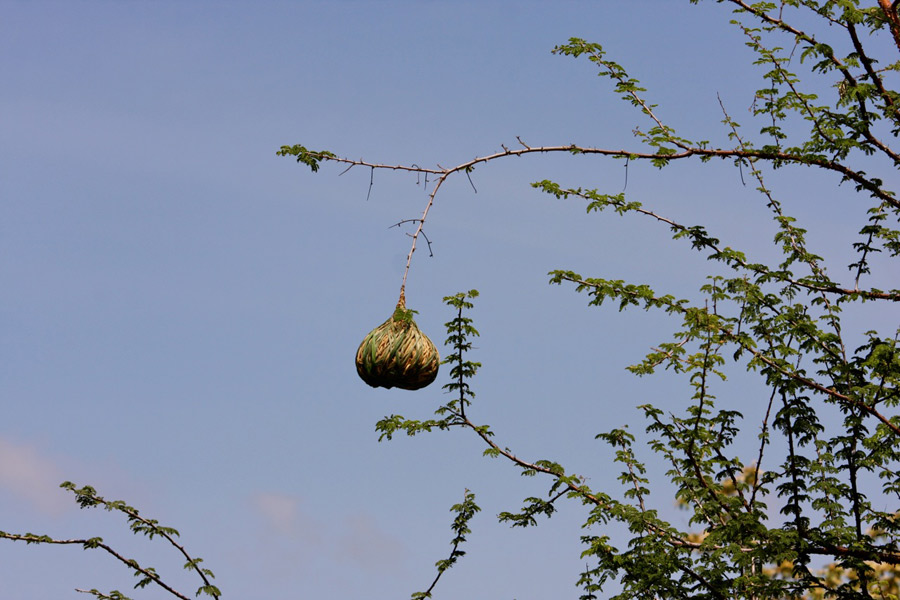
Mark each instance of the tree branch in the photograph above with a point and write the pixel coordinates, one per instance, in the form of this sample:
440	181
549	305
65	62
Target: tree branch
689	152
890	14
96	543
765	359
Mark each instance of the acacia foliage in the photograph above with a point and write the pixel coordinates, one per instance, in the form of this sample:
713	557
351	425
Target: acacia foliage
812	510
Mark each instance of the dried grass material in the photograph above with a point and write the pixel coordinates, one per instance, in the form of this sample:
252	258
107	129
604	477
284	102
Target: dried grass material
397	354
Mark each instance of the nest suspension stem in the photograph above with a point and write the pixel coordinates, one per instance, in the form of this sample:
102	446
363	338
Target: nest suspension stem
415	235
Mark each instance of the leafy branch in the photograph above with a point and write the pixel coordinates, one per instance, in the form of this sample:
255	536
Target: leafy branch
87	497
700	239
465	510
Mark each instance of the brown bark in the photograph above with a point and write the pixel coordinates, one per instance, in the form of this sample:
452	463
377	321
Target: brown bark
890	13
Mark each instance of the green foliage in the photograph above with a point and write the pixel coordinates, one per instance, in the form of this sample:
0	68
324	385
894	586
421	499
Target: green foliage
87	497
404	314
310	158
811	512
113	595
465	510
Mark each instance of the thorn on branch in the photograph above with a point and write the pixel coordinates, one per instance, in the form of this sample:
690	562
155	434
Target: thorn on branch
418	232
404	221
524	145
427	241
419	173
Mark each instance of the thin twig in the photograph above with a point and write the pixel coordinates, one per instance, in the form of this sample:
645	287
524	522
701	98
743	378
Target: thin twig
762	445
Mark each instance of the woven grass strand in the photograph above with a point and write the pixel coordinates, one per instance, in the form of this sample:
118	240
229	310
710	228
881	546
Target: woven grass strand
397	353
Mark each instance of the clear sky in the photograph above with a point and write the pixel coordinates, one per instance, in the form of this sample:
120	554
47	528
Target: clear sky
180	308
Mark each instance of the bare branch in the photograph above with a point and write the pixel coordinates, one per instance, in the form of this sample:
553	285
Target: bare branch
690	152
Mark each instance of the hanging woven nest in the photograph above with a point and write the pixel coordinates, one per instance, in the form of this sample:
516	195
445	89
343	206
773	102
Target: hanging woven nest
397	353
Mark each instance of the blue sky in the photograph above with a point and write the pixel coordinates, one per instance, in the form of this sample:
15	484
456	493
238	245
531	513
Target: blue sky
180	307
